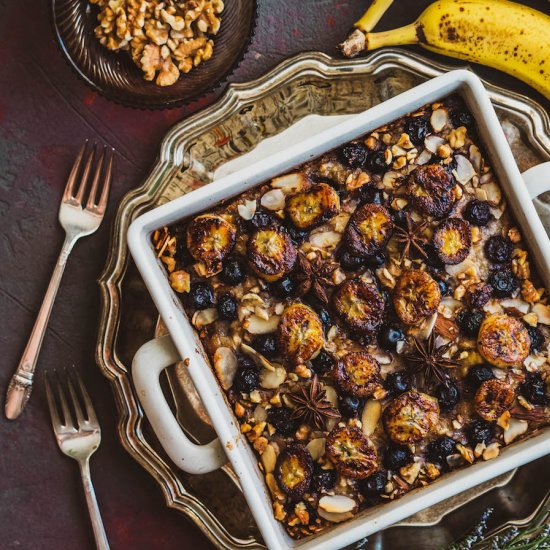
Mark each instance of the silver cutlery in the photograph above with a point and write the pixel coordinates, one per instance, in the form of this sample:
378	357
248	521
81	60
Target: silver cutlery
80	439
77	221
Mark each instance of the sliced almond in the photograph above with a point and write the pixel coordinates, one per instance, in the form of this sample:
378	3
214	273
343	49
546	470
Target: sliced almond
464	169
466	453
515	429
272	379
260	414
446	327
439	119
492	451
494	195
410	472
225	365
325	239
257	325
337	504
423	157
269	459
331	395
257	357
370	416
204	317
247	210
316	448
291	183
432	143
273	200
515	303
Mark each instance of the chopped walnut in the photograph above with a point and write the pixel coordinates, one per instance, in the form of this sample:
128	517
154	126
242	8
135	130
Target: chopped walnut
181	27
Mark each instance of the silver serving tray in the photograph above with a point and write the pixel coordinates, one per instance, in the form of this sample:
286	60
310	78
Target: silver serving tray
310	83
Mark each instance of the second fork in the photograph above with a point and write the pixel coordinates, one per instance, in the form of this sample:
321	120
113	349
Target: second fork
78	221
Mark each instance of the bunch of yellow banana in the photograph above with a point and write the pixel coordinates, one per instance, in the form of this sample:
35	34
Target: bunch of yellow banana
501	34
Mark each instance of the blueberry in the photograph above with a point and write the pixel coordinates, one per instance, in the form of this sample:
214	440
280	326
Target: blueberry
324	315
324	479
479	431
245	362
263	219
534	389
536	337
477	212
389	336
234	271
350	406
397	382
460	117
266	344
201	296
448	395
246	380
504	283
281	419
439	449
444	288
297	235
499	249
469	322
353	155
227	307
284	288
399	218
478	374
373	485
432	259
323	362
397	456
182	254
417	127
376	162
350	261
370	194
376	260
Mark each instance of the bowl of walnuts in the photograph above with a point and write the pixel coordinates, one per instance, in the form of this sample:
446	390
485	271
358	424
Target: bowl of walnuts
152	53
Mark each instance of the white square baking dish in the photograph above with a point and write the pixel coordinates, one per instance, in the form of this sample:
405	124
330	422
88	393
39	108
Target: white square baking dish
156	355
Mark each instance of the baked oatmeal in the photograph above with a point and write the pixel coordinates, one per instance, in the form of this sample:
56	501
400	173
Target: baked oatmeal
373	316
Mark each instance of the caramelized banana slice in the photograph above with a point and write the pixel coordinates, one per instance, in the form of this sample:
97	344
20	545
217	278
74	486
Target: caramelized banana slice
360	305
452	240
271	253
314	207
294	470
410	417
351	452
416	295
493	398
209	239
430	187
368	229
503	341
357	373
300	334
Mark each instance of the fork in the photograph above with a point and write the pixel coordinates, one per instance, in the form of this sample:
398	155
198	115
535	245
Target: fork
77	221
78	440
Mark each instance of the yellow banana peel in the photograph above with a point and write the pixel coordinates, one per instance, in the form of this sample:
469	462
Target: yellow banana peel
501	34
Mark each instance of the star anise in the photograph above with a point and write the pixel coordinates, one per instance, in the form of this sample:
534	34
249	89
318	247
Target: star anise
411	237
312	405
429	362
314	276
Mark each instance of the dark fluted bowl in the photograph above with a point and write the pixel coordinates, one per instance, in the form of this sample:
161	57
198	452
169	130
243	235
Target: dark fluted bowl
115	76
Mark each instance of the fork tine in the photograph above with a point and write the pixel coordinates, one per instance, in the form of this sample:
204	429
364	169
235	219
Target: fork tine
102	204
85	174
76	404
95	182
69	187
90	412
64	405
54	413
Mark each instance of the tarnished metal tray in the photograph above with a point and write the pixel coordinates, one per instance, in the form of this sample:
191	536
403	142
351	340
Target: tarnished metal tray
246	121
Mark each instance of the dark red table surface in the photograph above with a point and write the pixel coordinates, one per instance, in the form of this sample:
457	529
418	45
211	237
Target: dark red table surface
45	114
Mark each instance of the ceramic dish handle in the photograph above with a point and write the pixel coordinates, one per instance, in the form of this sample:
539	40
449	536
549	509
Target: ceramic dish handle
150	360
537	179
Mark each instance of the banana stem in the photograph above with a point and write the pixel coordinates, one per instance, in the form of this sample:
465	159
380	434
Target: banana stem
395	37
375	12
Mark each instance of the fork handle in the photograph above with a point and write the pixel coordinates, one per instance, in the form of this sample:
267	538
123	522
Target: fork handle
95	516
20	386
